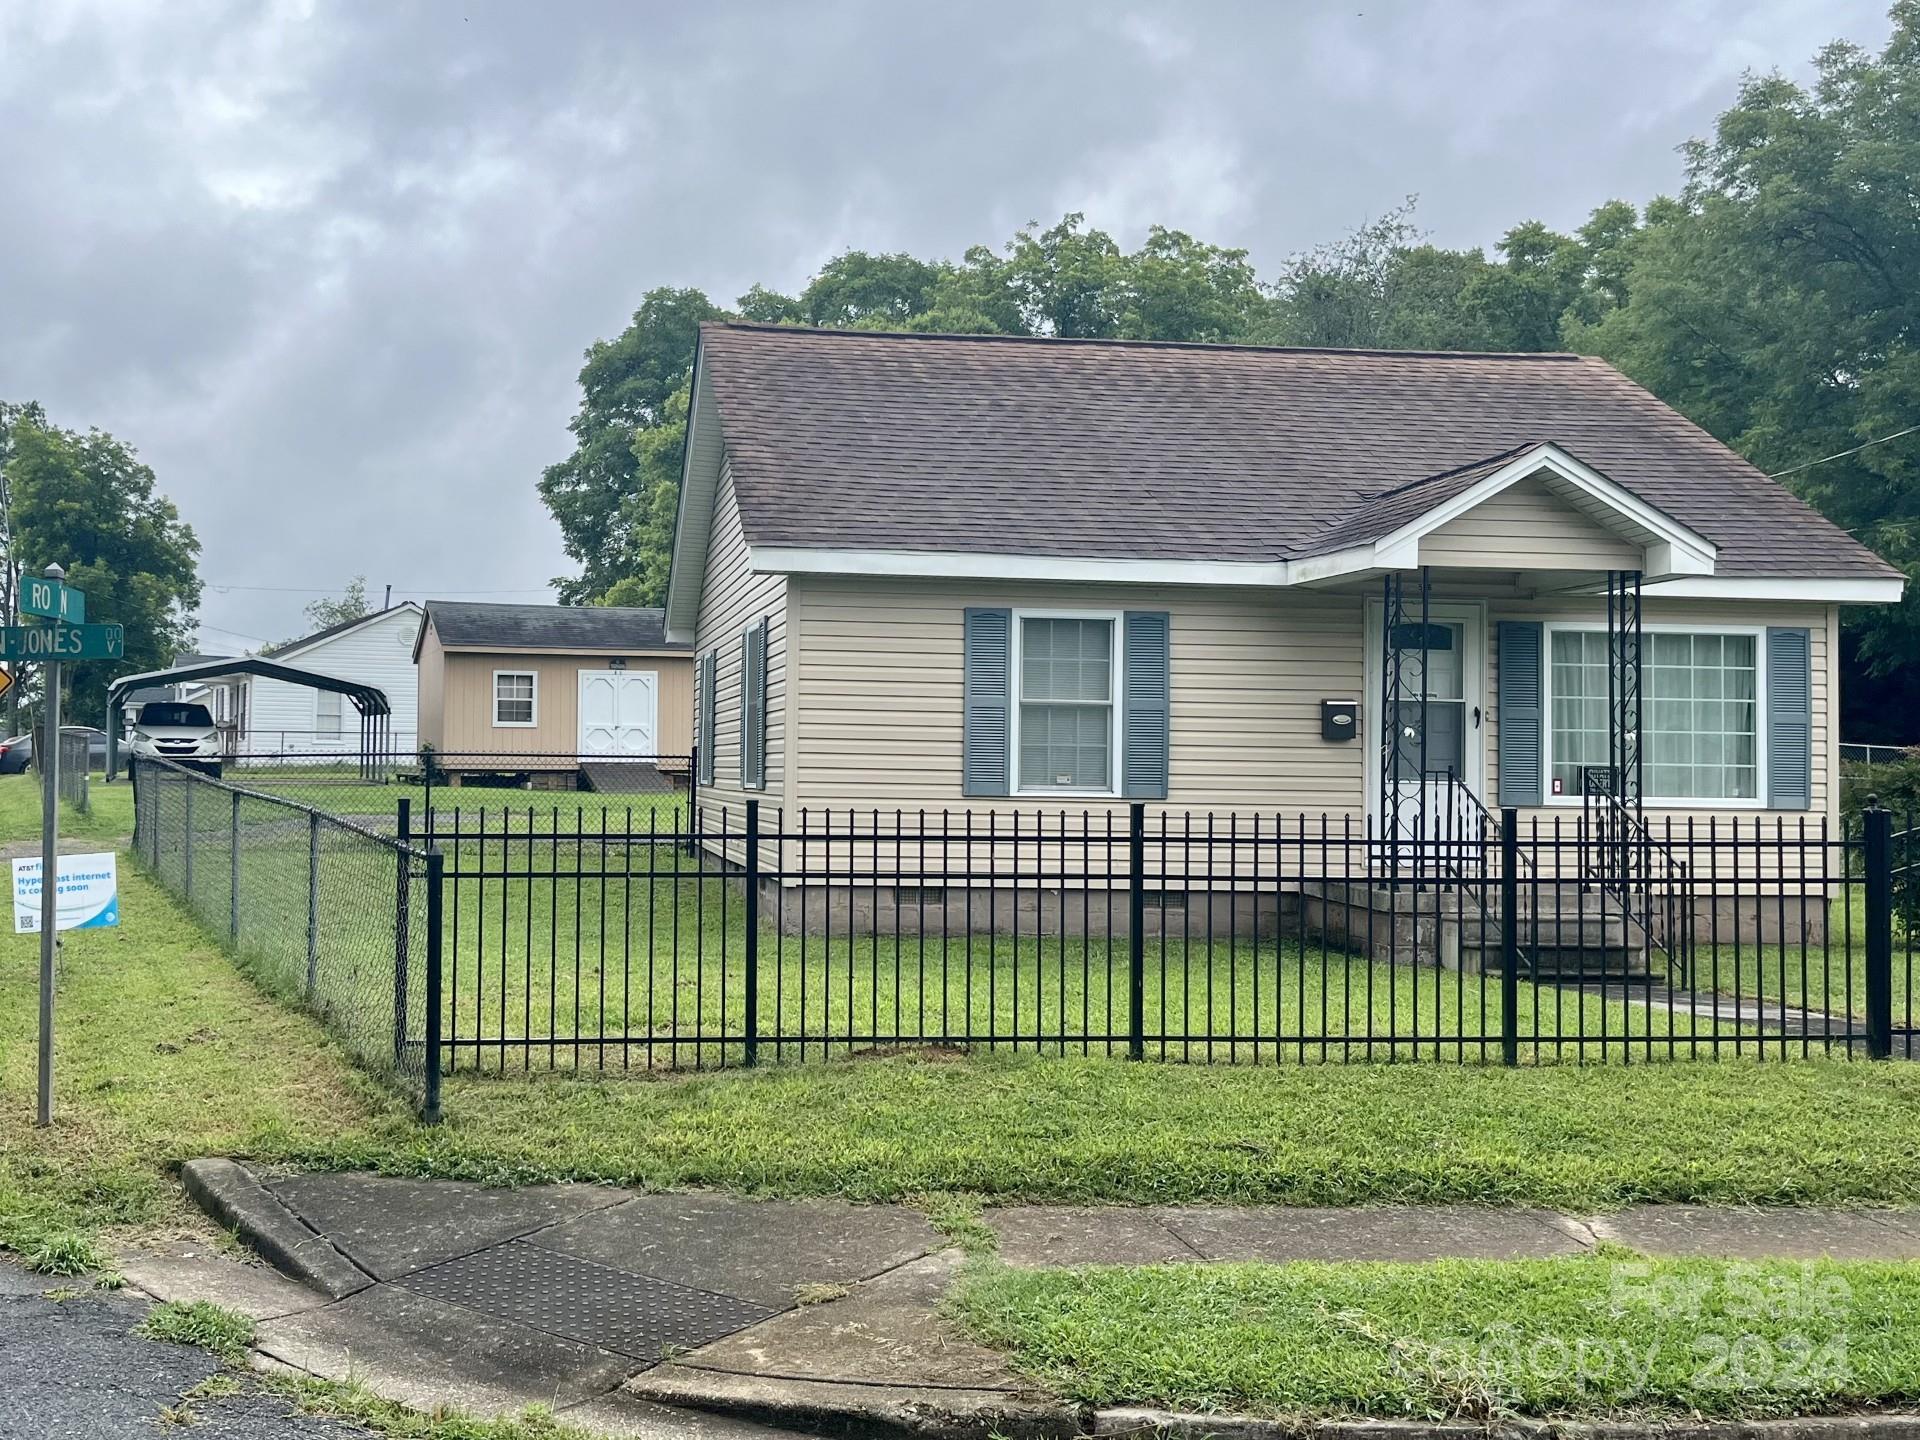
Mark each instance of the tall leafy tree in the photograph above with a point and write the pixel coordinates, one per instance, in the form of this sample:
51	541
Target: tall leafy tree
12	414
86	502
625	388
1777	303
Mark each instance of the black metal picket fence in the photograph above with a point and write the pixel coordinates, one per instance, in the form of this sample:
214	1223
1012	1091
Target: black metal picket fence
547	935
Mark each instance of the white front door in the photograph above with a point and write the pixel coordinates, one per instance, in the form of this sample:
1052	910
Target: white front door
619	714
1439	766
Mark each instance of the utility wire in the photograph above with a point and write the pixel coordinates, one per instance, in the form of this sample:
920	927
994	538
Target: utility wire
398	589
1843	454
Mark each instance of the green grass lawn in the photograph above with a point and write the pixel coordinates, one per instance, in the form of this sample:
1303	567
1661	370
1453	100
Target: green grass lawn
652	957
110	815
1469	1340
166	1050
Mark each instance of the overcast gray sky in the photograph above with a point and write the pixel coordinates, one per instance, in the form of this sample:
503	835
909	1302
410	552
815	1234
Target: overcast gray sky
330	267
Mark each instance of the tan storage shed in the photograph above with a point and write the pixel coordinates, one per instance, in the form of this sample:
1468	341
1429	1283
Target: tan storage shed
548	691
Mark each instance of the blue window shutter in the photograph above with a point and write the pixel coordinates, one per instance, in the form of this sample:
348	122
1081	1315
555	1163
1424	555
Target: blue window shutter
1520	719
706	701
987	703
753	707
1789	719
1146	709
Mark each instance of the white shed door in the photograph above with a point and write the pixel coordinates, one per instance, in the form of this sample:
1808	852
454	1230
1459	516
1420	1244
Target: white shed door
619	713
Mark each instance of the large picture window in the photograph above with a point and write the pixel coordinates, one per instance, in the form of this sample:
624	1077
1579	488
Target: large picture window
1068	680
1699	713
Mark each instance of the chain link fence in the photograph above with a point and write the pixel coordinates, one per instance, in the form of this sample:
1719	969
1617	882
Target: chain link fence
320	911
73	770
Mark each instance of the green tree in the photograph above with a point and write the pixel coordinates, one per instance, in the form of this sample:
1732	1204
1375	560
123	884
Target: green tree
1067	281
12	414
86	502
1777	303
350	604
1175	287
625	387
650	511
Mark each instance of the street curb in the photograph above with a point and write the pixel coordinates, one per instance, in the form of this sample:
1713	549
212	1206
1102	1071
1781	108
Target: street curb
893	1412
843	1408
230	1194
1125	1420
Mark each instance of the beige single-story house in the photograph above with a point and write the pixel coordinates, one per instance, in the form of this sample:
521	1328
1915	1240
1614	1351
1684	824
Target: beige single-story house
545	690
993	574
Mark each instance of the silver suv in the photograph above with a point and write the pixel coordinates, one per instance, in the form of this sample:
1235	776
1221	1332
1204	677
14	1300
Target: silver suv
178	731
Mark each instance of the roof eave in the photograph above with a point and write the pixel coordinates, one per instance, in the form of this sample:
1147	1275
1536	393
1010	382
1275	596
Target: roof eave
700	466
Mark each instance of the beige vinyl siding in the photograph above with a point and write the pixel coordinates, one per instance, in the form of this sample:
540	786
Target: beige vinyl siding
1528	527
877	718
732	599
431	693
467	723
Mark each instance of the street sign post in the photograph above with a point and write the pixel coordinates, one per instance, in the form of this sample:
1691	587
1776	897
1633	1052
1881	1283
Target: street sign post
52	643
58	641
51	599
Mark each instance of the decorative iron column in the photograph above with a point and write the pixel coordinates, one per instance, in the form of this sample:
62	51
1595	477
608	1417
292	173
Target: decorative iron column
1624	711
1399	740
1392	618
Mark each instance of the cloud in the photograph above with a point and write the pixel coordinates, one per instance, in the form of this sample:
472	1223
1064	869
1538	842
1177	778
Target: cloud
331	268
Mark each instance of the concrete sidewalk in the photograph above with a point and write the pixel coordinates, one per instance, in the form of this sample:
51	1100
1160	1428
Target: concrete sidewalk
636	1313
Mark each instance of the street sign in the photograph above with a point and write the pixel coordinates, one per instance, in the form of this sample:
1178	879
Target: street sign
52	599
6	682
63	642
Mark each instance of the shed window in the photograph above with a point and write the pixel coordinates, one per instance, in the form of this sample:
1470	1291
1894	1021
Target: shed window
513	697
1067	685
326	709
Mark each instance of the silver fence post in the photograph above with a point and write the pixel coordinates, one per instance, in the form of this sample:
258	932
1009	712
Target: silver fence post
190	837
313	903
233	881
402	941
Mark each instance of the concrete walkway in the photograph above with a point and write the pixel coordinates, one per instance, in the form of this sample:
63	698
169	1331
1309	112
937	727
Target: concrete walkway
630	1313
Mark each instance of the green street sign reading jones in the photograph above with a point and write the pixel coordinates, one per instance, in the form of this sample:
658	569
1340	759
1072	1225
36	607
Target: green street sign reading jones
52	599
63	642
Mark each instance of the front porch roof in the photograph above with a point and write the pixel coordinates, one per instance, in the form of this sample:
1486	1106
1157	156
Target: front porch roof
1392	529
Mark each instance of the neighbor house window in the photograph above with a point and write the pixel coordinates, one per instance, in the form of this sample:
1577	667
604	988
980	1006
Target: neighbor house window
326	708
1068	678
513	697
1699	713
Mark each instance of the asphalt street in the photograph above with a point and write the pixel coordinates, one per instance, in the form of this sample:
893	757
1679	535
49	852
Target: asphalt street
74	1369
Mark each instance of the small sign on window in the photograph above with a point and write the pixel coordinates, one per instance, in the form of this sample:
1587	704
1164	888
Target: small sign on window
1558	785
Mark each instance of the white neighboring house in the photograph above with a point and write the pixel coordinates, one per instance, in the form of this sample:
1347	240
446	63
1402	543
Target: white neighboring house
258	716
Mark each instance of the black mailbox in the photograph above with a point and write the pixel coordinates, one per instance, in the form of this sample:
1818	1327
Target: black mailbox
1339	719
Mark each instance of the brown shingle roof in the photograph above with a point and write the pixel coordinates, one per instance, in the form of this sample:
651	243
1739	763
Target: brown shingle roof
988	444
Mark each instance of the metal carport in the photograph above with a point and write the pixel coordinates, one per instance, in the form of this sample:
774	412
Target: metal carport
376	715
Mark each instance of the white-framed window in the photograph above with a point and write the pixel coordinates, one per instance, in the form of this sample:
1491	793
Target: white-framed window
516	699
1702	737
326	712
1066	711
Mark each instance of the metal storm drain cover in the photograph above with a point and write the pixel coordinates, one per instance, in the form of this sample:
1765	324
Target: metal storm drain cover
630	1314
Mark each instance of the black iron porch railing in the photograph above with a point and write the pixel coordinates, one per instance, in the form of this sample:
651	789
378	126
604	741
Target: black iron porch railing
1653	887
